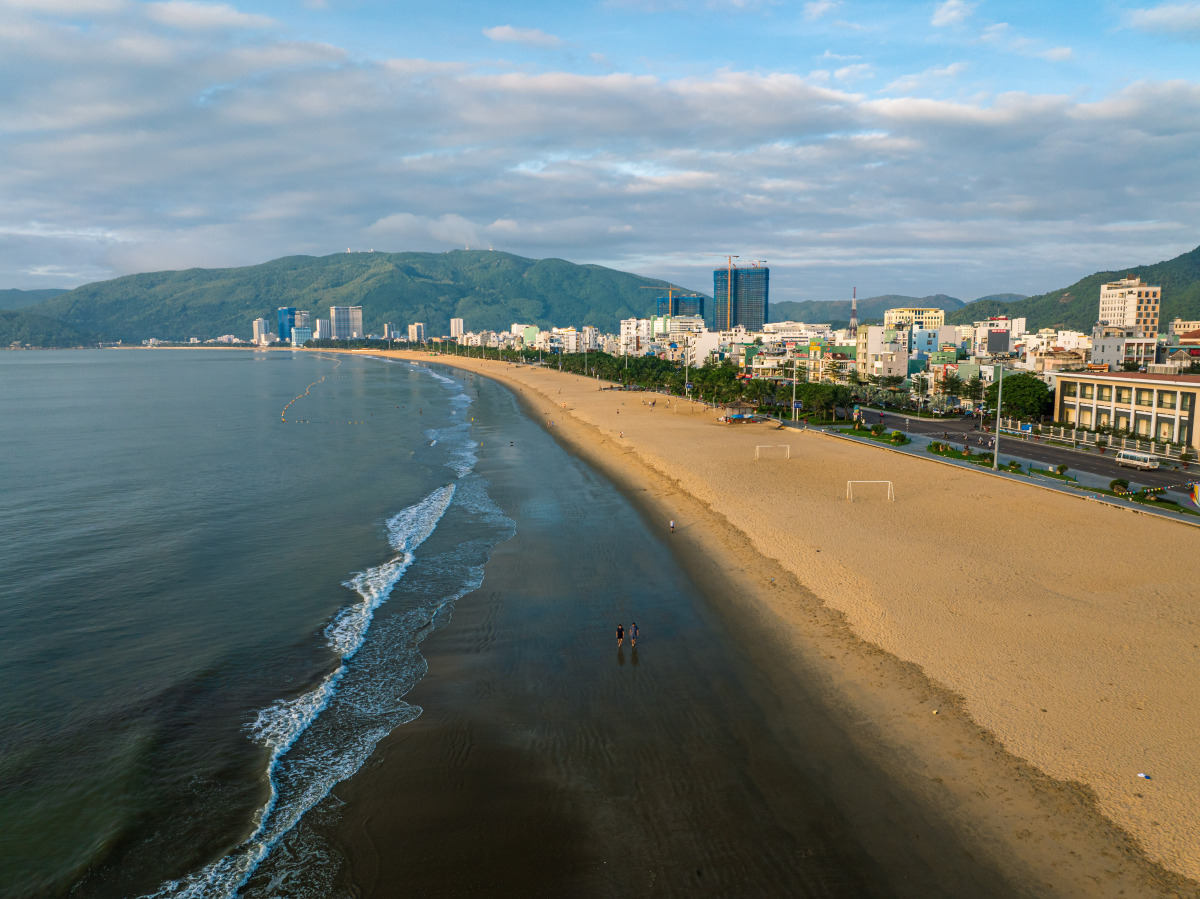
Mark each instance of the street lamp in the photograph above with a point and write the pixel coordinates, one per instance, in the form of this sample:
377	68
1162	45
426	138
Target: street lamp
996	439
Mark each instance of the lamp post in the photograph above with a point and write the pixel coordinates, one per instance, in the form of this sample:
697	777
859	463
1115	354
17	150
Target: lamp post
795	376
996	439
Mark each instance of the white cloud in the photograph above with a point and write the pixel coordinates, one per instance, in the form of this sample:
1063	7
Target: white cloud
168	149
815	9
186	14
1170	18
530	37
951	12
856	72
926	79
67	7
1057	54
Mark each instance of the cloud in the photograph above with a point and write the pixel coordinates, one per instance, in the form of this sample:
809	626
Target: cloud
924	80
856	72
1182	19
1002	36
530	37
951	12
815	9
67	7
186	14
160	148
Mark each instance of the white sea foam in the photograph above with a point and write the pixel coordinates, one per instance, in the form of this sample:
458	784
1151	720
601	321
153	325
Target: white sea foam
284	722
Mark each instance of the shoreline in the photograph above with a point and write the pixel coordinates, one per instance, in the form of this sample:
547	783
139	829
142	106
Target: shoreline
1048	833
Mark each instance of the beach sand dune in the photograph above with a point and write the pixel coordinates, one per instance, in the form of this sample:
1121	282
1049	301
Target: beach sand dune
1058	640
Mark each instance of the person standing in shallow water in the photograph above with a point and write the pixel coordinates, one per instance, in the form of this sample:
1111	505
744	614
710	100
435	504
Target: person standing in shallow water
620	635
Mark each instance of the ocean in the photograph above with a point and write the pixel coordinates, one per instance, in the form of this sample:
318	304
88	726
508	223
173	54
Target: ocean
301	625
212	606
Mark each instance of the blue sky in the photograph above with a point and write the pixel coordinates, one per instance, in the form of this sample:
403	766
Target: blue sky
957	147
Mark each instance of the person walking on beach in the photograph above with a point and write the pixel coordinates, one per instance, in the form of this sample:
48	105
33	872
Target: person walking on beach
620	635
633	632
672	525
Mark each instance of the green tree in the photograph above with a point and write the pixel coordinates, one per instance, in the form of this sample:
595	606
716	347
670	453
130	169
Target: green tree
1129	365
1026	396
973	389
952	386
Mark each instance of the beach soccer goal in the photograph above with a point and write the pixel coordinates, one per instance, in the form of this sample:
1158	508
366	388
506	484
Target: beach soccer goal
891	493
773	451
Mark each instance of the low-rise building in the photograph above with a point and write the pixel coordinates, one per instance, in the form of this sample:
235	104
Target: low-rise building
1161	407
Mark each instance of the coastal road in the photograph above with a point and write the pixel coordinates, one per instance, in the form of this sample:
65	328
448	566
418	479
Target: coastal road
961	430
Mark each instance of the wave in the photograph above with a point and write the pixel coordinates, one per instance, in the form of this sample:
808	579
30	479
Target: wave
284	723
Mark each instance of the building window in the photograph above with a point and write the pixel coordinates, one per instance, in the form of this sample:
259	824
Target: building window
1145	397
1142	427
1106	394
1166	399
1123	422
1070	388
1187	401
1088	391
1085	417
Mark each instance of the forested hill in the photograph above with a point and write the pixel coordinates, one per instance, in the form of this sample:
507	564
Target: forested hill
486	289
23	299
1078	306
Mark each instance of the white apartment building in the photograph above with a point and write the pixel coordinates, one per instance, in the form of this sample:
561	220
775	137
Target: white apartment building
635	336
880	353
1130	303
777	332
997	335
262	332
568	339
591	337
322	331
416	332
456	328
345	322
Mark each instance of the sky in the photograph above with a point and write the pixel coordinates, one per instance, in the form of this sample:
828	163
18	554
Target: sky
956	147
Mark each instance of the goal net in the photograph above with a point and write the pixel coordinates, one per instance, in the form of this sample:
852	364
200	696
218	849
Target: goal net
773	451
878	488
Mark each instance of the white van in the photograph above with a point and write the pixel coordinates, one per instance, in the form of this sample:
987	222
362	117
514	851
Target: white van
1134	459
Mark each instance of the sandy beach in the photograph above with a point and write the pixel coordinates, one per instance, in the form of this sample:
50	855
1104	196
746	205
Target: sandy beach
1014	657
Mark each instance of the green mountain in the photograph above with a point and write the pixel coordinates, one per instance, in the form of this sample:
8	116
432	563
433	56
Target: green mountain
1077	307
487	289
19	326
23	299
869	308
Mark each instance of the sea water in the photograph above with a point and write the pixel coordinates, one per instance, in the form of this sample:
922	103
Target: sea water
217	570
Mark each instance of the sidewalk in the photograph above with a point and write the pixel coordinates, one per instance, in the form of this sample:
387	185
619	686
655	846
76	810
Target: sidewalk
919	448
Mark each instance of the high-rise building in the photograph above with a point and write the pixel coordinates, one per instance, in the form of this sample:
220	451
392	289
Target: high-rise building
286	321
262	331
345	322
303	319
416	332
301	336
1129	303
323	331
689	304
456	328
741	297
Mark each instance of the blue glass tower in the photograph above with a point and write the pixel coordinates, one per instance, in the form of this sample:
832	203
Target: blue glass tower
287	321
742	302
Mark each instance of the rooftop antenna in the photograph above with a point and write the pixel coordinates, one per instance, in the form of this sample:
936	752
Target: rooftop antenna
854	314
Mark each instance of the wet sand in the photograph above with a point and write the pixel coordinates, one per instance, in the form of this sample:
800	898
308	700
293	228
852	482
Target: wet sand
932	803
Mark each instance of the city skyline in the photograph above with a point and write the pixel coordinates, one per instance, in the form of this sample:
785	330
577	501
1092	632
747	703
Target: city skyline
952	147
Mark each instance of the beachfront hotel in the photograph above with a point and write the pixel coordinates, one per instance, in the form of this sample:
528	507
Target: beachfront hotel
1162	407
